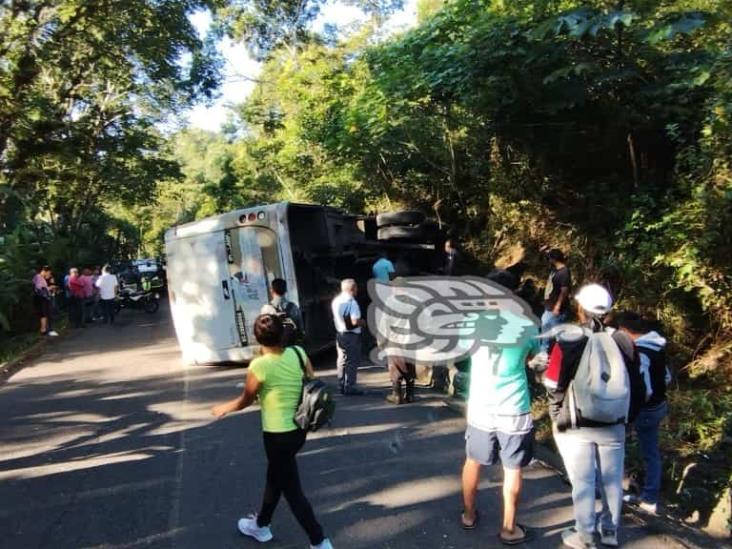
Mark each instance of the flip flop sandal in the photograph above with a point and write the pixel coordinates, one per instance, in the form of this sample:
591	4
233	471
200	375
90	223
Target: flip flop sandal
468	525
528	536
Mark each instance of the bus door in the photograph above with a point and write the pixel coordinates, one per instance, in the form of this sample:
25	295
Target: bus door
258	262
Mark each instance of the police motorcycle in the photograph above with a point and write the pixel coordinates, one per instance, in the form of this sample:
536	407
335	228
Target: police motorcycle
146	298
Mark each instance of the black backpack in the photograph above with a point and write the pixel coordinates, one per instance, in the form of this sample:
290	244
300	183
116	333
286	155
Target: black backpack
316	406
291	334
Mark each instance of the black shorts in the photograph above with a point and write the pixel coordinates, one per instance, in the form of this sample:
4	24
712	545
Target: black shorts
42	306
490	447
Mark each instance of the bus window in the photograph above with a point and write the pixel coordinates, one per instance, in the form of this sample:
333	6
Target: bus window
260	262
267	241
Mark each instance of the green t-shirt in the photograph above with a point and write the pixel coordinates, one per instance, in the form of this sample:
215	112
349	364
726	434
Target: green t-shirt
280	377
498	383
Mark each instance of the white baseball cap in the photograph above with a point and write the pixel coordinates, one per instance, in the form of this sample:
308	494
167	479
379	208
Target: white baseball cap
594	299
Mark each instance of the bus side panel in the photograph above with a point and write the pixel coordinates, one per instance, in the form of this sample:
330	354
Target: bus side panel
201	298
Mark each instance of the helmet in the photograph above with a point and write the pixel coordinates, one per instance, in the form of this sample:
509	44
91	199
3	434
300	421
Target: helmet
594	299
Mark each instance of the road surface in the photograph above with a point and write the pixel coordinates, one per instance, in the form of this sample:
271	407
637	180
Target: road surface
107	441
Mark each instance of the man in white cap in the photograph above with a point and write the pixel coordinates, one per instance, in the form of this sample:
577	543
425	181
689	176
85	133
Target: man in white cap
593	450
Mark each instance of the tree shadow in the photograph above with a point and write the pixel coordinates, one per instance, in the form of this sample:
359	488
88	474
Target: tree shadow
135	462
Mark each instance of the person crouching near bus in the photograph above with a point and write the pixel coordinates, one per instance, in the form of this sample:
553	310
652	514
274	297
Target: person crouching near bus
276	376
348	323
591	450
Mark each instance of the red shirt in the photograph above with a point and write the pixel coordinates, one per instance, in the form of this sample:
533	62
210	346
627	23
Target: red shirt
88	285
77	288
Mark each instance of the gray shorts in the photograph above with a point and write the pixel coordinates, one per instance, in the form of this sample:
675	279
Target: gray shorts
491	447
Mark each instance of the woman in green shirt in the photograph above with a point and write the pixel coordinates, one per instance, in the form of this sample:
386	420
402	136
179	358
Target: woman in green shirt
276	377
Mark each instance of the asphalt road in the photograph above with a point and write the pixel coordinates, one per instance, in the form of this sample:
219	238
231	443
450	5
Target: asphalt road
107	441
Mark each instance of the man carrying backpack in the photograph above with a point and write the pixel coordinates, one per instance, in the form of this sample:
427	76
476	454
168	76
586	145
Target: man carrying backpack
651	348
288	312
594	388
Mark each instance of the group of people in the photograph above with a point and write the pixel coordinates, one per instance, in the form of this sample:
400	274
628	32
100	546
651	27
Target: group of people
500	426
89	294
499	422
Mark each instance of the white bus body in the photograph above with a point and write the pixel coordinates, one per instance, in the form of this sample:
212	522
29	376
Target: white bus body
219	271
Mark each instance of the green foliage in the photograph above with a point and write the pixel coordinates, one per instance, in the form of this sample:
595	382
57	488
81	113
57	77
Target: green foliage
600	128
83	88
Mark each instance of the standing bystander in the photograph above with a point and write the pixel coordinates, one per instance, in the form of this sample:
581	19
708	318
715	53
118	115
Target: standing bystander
556	295
42	300
88	304
453	259
383	269
500	426
593	451
348	323
108	285
651	348
77	293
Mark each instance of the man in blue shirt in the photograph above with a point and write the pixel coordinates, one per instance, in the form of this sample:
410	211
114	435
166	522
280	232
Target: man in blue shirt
383	270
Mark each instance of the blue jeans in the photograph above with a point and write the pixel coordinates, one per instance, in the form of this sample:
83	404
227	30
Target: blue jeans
647	427
548	321
593	457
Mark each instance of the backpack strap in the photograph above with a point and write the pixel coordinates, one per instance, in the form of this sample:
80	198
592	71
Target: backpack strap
301	361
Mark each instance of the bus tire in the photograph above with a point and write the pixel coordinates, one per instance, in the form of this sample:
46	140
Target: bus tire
411	233
404	217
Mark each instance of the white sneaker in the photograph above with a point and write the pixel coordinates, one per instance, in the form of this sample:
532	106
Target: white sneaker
325	544
630	498
608	536
248	527
650	508
572	538
540	362
52	333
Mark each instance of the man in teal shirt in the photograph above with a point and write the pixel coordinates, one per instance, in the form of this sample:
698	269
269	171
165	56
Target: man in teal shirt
500	427
383	269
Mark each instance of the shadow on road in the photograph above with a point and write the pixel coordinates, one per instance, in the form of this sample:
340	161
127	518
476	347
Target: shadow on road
109	443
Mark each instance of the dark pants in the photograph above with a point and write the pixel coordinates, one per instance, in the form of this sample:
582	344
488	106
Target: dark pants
399	370
108	310
283	478
76	311
647	426
88	309
348	345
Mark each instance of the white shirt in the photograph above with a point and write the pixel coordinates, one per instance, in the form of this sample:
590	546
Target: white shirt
107	284
343	303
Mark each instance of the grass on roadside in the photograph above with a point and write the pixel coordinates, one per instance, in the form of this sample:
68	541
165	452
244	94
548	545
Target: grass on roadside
11	347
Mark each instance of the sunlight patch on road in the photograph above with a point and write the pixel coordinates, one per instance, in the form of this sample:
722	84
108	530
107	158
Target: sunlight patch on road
38	471
409	493
349	431
373	531
122	396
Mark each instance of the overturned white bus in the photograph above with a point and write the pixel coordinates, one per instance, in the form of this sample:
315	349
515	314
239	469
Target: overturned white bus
219	270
